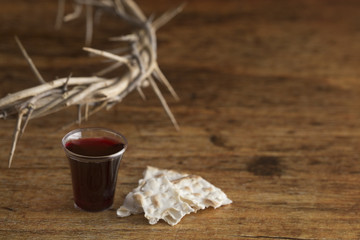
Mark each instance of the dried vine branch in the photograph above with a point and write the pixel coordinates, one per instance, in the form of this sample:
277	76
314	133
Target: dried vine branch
95	93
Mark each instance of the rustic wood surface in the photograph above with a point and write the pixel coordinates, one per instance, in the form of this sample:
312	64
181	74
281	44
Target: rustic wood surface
269	113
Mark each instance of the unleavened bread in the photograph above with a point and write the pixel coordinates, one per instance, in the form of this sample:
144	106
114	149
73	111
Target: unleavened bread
170	195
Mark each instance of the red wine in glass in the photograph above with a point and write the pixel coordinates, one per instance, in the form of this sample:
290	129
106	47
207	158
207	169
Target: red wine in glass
94	163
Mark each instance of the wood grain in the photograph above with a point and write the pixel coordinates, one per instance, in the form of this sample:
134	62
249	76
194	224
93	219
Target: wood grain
269	112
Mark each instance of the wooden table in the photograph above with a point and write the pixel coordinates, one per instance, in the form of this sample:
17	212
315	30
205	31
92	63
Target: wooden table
269	113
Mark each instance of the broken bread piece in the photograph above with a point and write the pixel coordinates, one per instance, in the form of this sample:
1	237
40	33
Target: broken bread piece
170	195
199	193
160	200
152	172
131	205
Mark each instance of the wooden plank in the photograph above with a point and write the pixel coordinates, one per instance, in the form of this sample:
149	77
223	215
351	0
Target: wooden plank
269	112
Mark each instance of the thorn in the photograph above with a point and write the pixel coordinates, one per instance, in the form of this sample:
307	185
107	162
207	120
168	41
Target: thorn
167	16
79	114
125	38
107	55
141	93
164	80
71	16
60	14
31	109
86	111
163	102
15	136
109	69
66	83
30	62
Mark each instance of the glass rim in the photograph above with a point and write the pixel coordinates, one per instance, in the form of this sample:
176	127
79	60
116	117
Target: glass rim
82	158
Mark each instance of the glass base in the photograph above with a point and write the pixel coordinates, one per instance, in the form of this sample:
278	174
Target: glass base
77	207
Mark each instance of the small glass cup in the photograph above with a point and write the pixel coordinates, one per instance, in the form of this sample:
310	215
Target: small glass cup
94	157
